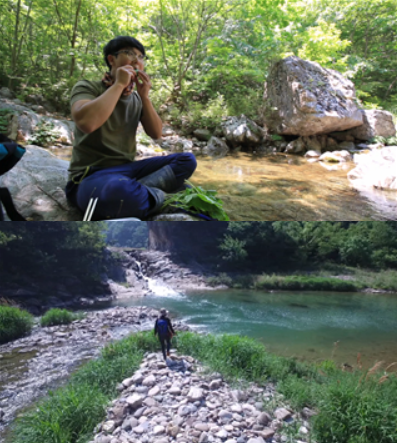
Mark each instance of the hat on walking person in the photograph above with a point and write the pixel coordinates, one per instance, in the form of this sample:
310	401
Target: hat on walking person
163	311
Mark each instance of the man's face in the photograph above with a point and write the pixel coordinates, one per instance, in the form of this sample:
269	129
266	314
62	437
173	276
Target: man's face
127	56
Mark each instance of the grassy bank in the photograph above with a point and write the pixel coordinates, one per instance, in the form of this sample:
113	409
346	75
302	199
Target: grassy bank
357	407
337	279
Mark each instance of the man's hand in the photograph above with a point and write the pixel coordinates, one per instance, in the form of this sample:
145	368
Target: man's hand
143	84
124	74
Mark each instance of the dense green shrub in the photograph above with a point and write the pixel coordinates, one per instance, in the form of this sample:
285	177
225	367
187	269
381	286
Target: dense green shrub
297	283
14	323
56	316
357	409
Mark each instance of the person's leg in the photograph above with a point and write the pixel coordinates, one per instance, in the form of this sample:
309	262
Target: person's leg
183	165
162	341
168	345
118	196
119	192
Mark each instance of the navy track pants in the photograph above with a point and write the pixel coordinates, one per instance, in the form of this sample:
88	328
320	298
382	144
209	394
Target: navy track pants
118	191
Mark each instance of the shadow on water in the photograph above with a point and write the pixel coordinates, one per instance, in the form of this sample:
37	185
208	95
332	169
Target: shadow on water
13	364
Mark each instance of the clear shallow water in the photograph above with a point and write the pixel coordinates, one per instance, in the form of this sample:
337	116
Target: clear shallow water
282	187
303	325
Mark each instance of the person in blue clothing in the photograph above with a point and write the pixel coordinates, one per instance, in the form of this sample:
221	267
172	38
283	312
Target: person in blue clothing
164	330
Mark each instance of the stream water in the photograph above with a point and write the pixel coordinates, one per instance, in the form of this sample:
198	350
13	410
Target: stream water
307	325
282	187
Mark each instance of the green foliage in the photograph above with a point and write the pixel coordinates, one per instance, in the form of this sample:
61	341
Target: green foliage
197	200
199	50
71	413
56	316
14	323
39	248
44	134
359	408
127	234
220	279
5	115
144	139
297	283
387	141
352	407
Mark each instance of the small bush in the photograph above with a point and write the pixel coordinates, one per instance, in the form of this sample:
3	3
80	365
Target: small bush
57	316
14	323
221	279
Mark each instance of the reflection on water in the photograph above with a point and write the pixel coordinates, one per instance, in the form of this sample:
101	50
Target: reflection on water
304	325
282	187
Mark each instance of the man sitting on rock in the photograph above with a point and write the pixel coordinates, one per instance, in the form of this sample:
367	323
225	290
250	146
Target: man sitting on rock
107	114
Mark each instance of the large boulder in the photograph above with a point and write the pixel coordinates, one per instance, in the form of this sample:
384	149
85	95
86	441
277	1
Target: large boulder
37	185
377	169
375	123
303	98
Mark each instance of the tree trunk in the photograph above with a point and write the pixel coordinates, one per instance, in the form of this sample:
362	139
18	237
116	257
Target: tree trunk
15	44
74	38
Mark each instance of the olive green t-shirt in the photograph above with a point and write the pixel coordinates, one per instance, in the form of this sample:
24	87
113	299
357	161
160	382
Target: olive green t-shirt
114	143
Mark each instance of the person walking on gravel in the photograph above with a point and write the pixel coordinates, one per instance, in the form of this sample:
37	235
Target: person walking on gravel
164	330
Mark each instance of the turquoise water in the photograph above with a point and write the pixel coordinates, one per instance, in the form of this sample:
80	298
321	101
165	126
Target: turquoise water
307	325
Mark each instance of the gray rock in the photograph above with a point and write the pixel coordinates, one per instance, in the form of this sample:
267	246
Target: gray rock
347	146
375	123
282	414
302	98
264	418
296	147
134	401
37	185
216	148
376	169
202	134
6	93
195	394
149	381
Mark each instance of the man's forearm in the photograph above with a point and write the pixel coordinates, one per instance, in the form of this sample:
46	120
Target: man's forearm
150	120
92	115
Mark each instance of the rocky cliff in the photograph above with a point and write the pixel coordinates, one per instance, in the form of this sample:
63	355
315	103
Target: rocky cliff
187	242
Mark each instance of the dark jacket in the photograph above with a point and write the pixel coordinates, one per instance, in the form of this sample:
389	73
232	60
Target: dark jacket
170	328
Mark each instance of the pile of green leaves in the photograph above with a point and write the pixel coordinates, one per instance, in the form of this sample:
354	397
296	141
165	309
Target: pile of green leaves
45	134
197	201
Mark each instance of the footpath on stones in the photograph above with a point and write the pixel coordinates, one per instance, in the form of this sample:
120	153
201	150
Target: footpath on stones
181	401
32	365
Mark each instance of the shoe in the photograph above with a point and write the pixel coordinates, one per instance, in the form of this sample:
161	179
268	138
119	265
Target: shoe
163	179
168	354
158	197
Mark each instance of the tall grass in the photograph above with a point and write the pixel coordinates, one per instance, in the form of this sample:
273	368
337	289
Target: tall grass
70	414
297	282
14	323
56	316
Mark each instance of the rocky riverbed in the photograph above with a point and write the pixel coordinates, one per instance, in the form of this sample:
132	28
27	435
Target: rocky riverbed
32	365
180	401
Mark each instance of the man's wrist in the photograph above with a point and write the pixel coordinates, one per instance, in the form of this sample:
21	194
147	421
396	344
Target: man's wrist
118	87
146	101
